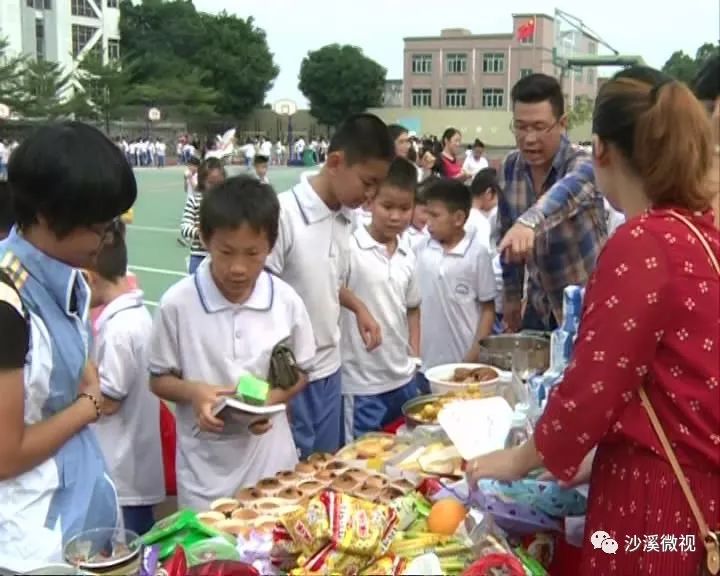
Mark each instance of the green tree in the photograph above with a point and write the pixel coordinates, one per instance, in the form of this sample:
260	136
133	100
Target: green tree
684	67
581	112
339	81
101	90
10	69
44	87
164	42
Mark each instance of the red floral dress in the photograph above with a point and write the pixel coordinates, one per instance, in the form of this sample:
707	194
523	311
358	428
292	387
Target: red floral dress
651	316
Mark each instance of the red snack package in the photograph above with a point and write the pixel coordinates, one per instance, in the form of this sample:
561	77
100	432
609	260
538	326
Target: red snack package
429	486
223	568
177	564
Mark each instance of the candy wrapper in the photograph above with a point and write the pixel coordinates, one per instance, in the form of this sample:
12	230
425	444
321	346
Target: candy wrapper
330	562
150	561
223	568
387	565
309	527
256	550
177	564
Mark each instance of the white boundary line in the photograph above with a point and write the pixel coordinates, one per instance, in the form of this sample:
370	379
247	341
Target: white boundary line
151	303
158	271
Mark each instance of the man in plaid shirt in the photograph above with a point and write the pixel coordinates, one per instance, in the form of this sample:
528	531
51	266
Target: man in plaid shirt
551	215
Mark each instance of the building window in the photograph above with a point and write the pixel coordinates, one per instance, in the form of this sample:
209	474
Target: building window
112	3
591	76
456	63
456	98
494	63
82	8
39	39
81	35
421	98
579	74
40	4
592	47
525	72
493	98
47	4
422	63
113	49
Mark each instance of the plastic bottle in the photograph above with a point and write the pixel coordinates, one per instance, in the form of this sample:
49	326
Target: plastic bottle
520	429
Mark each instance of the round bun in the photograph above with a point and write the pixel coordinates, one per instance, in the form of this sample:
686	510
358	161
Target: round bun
290	493
369	449
368	493
345	485
403	484
390	493
234	526
356	474
269	485
244	514
376	482
224	505
248	495
287	477
310	488
336	466
305	469
211	517
266	505
326	475
320	458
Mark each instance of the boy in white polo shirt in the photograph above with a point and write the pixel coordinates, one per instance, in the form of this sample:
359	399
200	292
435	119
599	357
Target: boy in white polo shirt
457	284
221	323
377	383
311	254
129	431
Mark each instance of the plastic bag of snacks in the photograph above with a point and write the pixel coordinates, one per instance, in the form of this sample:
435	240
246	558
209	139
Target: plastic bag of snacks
223	568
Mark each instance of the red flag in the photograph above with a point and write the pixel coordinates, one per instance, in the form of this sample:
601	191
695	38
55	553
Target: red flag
526	30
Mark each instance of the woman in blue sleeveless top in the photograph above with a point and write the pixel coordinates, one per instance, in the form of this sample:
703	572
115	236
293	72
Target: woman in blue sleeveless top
68	184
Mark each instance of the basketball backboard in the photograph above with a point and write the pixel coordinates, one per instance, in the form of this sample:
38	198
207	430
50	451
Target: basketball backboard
285	107
567	39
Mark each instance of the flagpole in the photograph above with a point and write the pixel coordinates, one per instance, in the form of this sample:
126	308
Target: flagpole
509	72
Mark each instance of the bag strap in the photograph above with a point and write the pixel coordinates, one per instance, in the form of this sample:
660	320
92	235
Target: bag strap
710	539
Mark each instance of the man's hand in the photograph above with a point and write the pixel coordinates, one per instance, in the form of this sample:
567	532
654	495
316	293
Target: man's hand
518	243
277	396
369	329
204	398
260	427
90	384
512	315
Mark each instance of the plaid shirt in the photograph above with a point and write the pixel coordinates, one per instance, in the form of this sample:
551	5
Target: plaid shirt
570	221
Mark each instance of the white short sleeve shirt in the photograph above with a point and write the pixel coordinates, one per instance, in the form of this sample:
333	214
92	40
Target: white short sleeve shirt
199	335
312	255
130	438
388	287
453	284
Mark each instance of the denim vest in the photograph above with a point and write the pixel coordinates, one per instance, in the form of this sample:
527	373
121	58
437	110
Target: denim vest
71	492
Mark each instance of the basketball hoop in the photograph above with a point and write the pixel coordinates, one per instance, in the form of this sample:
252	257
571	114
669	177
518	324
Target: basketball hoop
284	107
154	114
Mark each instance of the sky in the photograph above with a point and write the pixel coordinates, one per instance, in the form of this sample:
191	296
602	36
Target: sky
652	29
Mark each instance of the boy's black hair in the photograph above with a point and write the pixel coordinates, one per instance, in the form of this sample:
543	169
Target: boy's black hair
643	74
453	193
420	197
402	174
478	143
237	201
539	87
486	178
207	166
7	217
193	161
396	130
363	137
707	82
71	174
112	260
260	159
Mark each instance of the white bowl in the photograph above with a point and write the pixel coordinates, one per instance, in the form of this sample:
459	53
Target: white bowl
440	378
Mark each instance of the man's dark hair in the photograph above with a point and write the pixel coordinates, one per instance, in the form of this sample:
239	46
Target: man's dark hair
237	201
453	193
536	88
707	82
71	174
112	260
478	143
643	74
207	166
396	130
260	159
486	178
7	217
363	137
422	188
402	174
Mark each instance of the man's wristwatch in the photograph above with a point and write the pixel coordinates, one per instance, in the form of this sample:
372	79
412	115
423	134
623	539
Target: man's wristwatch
529	223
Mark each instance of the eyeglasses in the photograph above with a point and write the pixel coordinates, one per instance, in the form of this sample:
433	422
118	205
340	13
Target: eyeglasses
106	232
523	130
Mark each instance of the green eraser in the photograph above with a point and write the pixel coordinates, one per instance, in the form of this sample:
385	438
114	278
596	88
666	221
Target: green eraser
252	390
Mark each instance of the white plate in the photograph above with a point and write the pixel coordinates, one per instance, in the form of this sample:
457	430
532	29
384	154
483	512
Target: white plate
440	378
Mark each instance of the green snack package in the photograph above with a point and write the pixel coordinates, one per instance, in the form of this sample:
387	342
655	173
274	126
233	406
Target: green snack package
252	390
210	550
179	529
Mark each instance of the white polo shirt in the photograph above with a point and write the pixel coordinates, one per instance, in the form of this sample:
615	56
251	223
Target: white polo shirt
481	223
388	287
200	336
130	438
452	286
312	255
413	238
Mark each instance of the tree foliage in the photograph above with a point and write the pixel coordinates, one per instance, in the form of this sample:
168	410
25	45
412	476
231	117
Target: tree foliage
178	56
339	81
581	111
10	73
44	87
684	67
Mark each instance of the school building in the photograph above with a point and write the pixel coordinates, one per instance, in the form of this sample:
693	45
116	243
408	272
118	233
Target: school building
61	31
462	70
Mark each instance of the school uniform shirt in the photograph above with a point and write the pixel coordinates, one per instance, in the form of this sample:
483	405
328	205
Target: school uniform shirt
481	224
200	336
361	217
452	285
190	224
130	438
413	238
473	165
387	285
312	255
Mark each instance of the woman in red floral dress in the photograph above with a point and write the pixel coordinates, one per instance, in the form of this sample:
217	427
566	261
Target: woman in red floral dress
651	317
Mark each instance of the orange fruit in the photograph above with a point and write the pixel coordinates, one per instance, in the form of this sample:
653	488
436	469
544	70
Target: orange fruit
445	516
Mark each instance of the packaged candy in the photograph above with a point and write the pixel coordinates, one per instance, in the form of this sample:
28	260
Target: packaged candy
179	529
210	550
150	561
309	527
223	568
390	565
331	562
177	565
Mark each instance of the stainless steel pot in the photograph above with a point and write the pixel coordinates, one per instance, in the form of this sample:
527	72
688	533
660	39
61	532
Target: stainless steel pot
498	350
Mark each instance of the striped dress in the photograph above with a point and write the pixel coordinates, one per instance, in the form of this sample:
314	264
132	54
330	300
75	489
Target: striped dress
190	224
